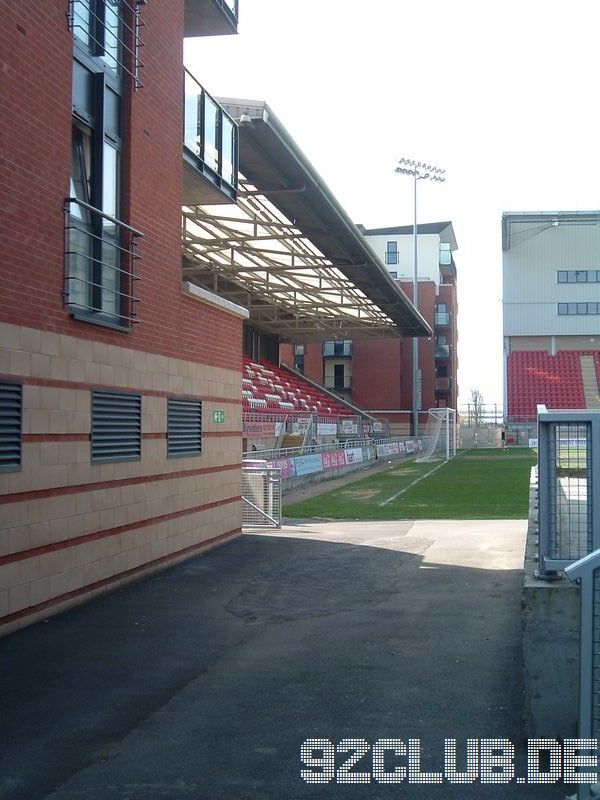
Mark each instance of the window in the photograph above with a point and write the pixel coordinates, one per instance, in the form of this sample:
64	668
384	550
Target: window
578	276
11	412
391	253
100	251
393	274
578	309
116	426
109	30
184	427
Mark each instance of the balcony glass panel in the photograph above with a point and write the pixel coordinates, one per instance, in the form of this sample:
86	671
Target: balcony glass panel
442	384
192	137
229	132
342	348
442	351
445	254
211	133
442	318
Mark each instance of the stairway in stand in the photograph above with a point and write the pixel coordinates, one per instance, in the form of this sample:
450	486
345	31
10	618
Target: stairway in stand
590	382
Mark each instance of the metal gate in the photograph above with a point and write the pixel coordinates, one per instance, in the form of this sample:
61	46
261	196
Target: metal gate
261	496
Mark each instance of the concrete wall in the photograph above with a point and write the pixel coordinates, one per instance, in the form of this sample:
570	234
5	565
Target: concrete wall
531	292
550	621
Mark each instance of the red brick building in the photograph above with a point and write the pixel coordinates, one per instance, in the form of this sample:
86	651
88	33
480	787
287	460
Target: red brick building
112	462
377	374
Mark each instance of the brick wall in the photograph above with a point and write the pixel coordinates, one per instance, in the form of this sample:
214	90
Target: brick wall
35	130
70	529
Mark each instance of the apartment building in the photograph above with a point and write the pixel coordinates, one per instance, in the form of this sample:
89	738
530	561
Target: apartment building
377	374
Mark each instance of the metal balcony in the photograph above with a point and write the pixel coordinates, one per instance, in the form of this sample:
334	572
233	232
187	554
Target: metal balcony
442	385
210	149
99	266
443	351
446	260
338	384
442	319
337	349
210	17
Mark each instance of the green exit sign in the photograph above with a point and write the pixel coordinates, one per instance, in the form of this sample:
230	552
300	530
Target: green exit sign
218	416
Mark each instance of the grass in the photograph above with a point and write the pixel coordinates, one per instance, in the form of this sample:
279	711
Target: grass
477	484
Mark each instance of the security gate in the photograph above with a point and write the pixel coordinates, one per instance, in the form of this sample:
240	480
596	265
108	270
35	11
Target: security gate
261	496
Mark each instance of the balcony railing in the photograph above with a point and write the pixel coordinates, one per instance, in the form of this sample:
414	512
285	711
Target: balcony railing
210	137
442	384
339	384
442	319
443	351
340	349
99	266
111	31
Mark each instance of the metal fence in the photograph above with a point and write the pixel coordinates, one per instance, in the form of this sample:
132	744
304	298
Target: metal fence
291	452
587	572
261	496
568	467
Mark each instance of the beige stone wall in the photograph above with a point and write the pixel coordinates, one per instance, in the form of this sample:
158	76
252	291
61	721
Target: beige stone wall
561	343
69	528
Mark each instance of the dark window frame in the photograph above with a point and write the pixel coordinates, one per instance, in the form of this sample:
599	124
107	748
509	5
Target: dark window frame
391	253
107	295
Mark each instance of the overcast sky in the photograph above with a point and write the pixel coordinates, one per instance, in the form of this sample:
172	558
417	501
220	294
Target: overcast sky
503	95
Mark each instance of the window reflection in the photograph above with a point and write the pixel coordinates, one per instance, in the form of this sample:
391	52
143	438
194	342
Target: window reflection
227	155
82	20
111	35
192	131
211	133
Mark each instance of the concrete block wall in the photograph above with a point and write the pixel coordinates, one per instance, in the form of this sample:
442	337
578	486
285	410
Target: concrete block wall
550	623
70	528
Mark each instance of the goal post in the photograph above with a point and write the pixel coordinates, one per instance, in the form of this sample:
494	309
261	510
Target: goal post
439	438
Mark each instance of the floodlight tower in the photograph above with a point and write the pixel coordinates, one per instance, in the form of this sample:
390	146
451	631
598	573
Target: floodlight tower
419	171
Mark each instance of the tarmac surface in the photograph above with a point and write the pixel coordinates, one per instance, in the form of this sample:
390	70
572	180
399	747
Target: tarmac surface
204	681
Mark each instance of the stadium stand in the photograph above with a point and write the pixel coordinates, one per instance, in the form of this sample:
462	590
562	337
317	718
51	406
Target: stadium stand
266	387
537	377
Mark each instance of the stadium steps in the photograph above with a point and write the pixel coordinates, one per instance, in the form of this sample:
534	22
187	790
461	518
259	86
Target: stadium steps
590	381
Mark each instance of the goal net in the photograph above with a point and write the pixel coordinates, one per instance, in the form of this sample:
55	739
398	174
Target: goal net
439	436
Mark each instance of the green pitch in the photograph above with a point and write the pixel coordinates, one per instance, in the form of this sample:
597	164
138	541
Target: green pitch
477	484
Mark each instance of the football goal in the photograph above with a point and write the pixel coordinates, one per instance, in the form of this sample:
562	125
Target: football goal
439	436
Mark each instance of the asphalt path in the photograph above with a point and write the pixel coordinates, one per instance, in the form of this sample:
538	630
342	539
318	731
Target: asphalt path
204	681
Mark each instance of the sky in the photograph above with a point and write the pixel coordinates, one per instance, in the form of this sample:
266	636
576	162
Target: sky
503	95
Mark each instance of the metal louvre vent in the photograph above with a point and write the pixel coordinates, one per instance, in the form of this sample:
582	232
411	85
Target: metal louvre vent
184	427
11	408
116	426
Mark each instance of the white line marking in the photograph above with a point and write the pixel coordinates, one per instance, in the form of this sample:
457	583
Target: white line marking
410	485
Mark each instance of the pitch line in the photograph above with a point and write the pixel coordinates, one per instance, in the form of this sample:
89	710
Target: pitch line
410	485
